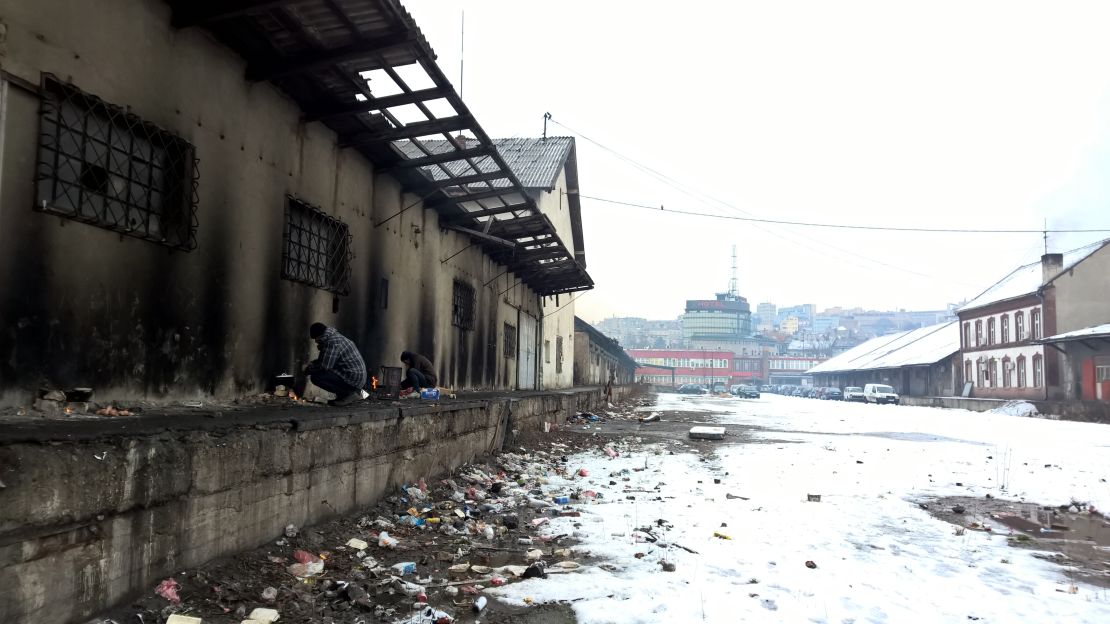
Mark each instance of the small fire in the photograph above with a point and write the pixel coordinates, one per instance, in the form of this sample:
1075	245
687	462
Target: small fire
293	396
373	383
69	410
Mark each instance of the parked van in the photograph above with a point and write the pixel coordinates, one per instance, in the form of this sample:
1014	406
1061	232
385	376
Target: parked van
880	393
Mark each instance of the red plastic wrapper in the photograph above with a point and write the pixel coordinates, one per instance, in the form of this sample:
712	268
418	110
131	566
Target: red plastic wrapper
303	556
168	590
582	472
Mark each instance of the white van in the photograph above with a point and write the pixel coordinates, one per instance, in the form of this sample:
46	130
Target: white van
879	393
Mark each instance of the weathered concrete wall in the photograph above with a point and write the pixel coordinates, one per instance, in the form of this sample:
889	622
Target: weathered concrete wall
558	312
88	520
1083	293
1082	411
84	306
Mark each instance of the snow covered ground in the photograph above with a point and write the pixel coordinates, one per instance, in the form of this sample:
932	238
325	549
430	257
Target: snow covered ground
878	556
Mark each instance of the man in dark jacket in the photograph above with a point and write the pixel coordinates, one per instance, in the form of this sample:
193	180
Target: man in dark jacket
420	373
339	368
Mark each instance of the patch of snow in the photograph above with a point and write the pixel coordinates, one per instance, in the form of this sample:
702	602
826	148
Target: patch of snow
878	556
1016	408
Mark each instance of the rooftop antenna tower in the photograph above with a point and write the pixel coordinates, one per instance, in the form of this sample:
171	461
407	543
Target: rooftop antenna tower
733	284
462	49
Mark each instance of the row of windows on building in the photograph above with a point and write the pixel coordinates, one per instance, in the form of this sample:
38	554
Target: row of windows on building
684	362
683	379
100	164
990	337
1013	374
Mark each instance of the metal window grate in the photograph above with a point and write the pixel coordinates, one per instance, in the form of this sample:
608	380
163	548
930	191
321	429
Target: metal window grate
462	305
317	248
510	341
101	165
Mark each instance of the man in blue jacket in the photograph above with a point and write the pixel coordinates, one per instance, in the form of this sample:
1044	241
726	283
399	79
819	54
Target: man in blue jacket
339	368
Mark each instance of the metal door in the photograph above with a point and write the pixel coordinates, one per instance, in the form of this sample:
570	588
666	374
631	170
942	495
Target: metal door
526	353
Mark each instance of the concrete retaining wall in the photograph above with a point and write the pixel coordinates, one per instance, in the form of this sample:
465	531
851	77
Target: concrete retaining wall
1081	411
87	519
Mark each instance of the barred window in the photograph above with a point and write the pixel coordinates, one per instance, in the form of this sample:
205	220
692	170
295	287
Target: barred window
317	248
510	341
462	305
101	165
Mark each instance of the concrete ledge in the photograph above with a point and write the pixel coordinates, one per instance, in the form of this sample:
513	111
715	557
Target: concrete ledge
92	515
1080	411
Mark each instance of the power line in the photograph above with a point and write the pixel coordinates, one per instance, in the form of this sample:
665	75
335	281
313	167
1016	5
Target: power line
841	226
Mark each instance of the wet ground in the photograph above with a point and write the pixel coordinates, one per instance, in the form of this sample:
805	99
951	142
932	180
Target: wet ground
1072	535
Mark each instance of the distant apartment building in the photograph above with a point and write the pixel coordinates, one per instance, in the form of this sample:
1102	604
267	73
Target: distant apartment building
766	313
640	333
683	366
789	325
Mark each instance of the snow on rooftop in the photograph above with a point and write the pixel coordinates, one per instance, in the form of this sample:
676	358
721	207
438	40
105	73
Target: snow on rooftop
926	345
1086	332
1028	278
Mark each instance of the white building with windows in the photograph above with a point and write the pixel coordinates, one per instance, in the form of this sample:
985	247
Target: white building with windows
1001	330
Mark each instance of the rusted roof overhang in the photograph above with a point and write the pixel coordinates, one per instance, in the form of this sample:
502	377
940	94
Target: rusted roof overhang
363	68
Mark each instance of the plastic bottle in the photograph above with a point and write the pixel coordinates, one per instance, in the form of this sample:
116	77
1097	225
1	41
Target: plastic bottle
479	604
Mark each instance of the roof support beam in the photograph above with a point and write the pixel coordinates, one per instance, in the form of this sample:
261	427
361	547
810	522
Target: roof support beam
411	131
373	104
189	14
488	212
436	159
472	179
480	236
473	197
319	60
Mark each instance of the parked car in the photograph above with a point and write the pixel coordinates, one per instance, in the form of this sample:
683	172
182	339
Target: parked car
832	394
692	389
766	388
854	393
748	392
719	387
880	393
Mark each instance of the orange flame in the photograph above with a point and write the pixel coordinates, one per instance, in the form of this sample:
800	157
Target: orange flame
293	396
69	410
373	383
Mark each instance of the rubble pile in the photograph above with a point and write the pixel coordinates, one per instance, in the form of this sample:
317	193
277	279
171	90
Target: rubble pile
425	554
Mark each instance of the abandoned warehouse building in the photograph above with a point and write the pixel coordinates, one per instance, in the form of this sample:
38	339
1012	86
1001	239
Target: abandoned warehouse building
170	227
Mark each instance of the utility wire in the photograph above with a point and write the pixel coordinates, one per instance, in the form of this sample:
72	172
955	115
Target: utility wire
840	225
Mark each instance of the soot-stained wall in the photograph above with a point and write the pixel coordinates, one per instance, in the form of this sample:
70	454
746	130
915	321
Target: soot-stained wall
84	306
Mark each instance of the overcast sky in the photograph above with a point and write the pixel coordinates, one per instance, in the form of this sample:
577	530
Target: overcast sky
935	114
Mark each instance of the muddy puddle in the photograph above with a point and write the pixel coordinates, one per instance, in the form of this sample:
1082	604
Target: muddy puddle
1069	535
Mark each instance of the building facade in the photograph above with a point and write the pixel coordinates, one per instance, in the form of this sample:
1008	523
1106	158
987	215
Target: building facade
728	318
598	358
172	226
684	366
919	362
1003	330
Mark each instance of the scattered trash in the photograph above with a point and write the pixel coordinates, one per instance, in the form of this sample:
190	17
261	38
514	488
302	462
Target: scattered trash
582	472
262	614
168	590
270	594
357	544
650	418
811	565
479	604
536	570
404	568
669	566
385	541
958	509
183	619
707	433
734	496
720	535
813	498
290	531
610	452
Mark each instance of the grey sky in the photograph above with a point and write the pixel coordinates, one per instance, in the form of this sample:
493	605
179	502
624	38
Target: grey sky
938	114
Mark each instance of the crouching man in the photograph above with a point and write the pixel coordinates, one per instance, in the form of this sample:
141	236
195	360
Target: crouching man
339	368
420	373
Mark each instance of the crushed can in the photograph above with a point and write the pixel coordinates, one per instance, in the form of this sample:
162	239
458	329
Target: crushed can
405	567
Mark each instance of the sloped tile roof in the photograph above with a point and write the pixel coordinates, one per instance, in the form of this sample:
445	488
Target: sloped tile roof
926	345
1027	279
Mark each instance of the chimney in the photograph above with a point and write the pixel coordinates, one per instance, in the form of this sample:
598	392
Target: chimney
1051	265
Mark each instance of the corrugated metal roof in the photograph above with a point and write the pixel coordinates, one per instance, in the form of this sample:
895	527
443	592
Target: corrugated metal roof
918	347
1027	279
1098	331
535	161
